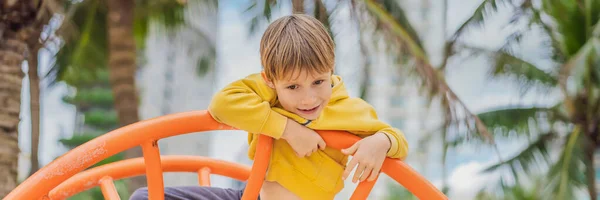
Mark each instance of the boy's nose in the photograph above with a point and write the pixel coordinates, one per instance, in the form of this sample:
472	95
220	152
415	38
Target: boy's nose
308	100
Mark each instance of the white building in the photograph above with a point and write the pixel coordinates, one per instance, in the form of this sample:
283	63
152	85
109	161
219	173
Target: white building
170	81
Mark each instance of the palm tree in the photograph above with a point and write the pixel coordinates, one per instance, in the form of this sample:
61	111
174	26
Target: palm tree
122	68
386	19
100	34
571	33
21	23
34	94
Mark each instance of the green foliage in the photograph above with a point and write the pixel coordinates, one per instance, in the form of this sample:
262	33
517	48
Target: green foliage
396	192
85	49
571	34
261	11
536	190
96	96
101	119
524	72
168	15
565	175
518	121
570	27
77	140
203	66
536	154
96	193
399	15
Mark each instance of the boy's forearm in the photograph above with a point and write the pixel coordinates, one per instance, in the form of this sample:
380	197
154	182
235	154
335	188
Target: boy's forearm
244	110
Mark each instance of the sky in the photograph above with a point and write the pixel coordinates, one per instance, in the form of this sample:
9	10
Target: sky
238	56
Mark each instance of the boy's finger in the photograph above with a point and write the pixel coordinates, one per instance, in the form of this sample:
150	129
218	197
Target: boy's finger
374	174
349	168
366	173
308	153
351	150
322	144
359	170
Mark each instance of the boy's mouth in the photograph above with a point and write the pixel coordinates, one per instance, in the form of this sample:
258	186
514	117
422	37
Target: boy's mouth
310	110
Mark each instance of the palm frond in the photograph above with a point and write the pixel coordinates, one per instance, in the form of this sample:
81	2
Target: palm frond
399	15
556	48
167	15
565	175
402	31
259	11
484	9
534	190
84	52
578	69
570	23
532	154
433	79
477	19
507	64
512	121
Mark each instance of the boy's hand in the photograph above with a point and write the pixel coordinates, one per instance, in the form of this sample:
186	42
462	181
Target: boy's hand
303	140
369	153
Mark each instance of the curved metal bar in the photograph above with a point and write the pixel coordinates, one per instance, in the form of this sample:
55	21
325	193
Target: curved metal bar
84	156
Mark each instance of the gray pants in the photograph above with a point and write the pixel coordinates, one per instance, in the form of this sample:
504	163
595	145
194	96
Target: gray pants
192	193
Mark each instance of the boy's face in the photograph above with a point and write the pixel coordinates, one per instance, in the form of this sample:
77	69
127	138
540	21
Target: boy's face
305	95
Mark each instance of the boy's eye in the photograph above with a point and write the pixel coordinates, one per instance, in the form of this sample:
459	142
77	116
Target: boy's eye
318	82
291	87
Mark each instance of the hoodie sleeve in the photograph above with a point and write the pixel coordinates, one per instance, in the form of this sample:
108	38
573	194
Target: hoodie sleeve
246	104
360	118
399	145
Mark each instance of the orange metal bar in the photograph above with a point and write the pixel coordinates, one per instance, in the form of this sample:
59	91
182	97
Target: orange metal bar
80	158
259	168
110	144
411	180
363	189
108	189
154	172
395	168
204	176
135	167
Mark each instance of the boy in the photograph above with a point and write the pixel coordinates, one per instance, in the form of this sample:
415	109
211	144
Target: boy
295	94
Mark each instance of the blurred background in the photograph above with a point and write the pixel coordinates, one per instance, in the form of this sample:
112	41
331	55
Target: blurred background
499	99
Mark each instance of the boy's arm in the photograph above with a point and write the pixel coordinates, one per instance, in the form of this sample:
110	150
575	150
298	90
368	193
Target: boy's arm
360	117
246	105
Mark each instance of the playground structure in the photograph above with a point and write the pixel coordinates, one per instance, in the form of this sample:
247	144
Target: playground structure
65	176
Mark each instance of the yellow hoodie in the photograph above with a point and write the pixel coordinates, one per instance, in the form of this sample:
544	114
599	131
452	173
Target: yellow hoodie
249	104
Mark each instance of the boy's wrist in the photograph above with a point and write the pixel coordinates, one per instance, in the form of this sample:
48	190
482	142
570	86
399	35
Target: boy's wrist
286	131
386	140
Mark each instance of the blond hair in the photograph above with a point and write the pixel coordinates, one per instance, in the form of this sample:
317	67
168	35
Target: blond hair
294	43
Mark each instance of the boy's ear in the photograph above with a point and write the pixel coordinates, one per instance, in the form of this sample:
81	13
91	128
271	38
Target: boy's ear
269	82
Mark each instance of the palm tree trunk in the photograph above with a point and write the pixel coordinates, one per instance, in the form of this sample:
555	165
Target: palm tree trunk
12	49
590	171
297	6
34	94
122	67
321	13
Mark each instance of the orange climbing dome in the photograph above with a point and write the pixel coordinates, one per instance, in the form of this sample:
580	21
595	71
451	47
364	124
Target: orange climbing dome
64	177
